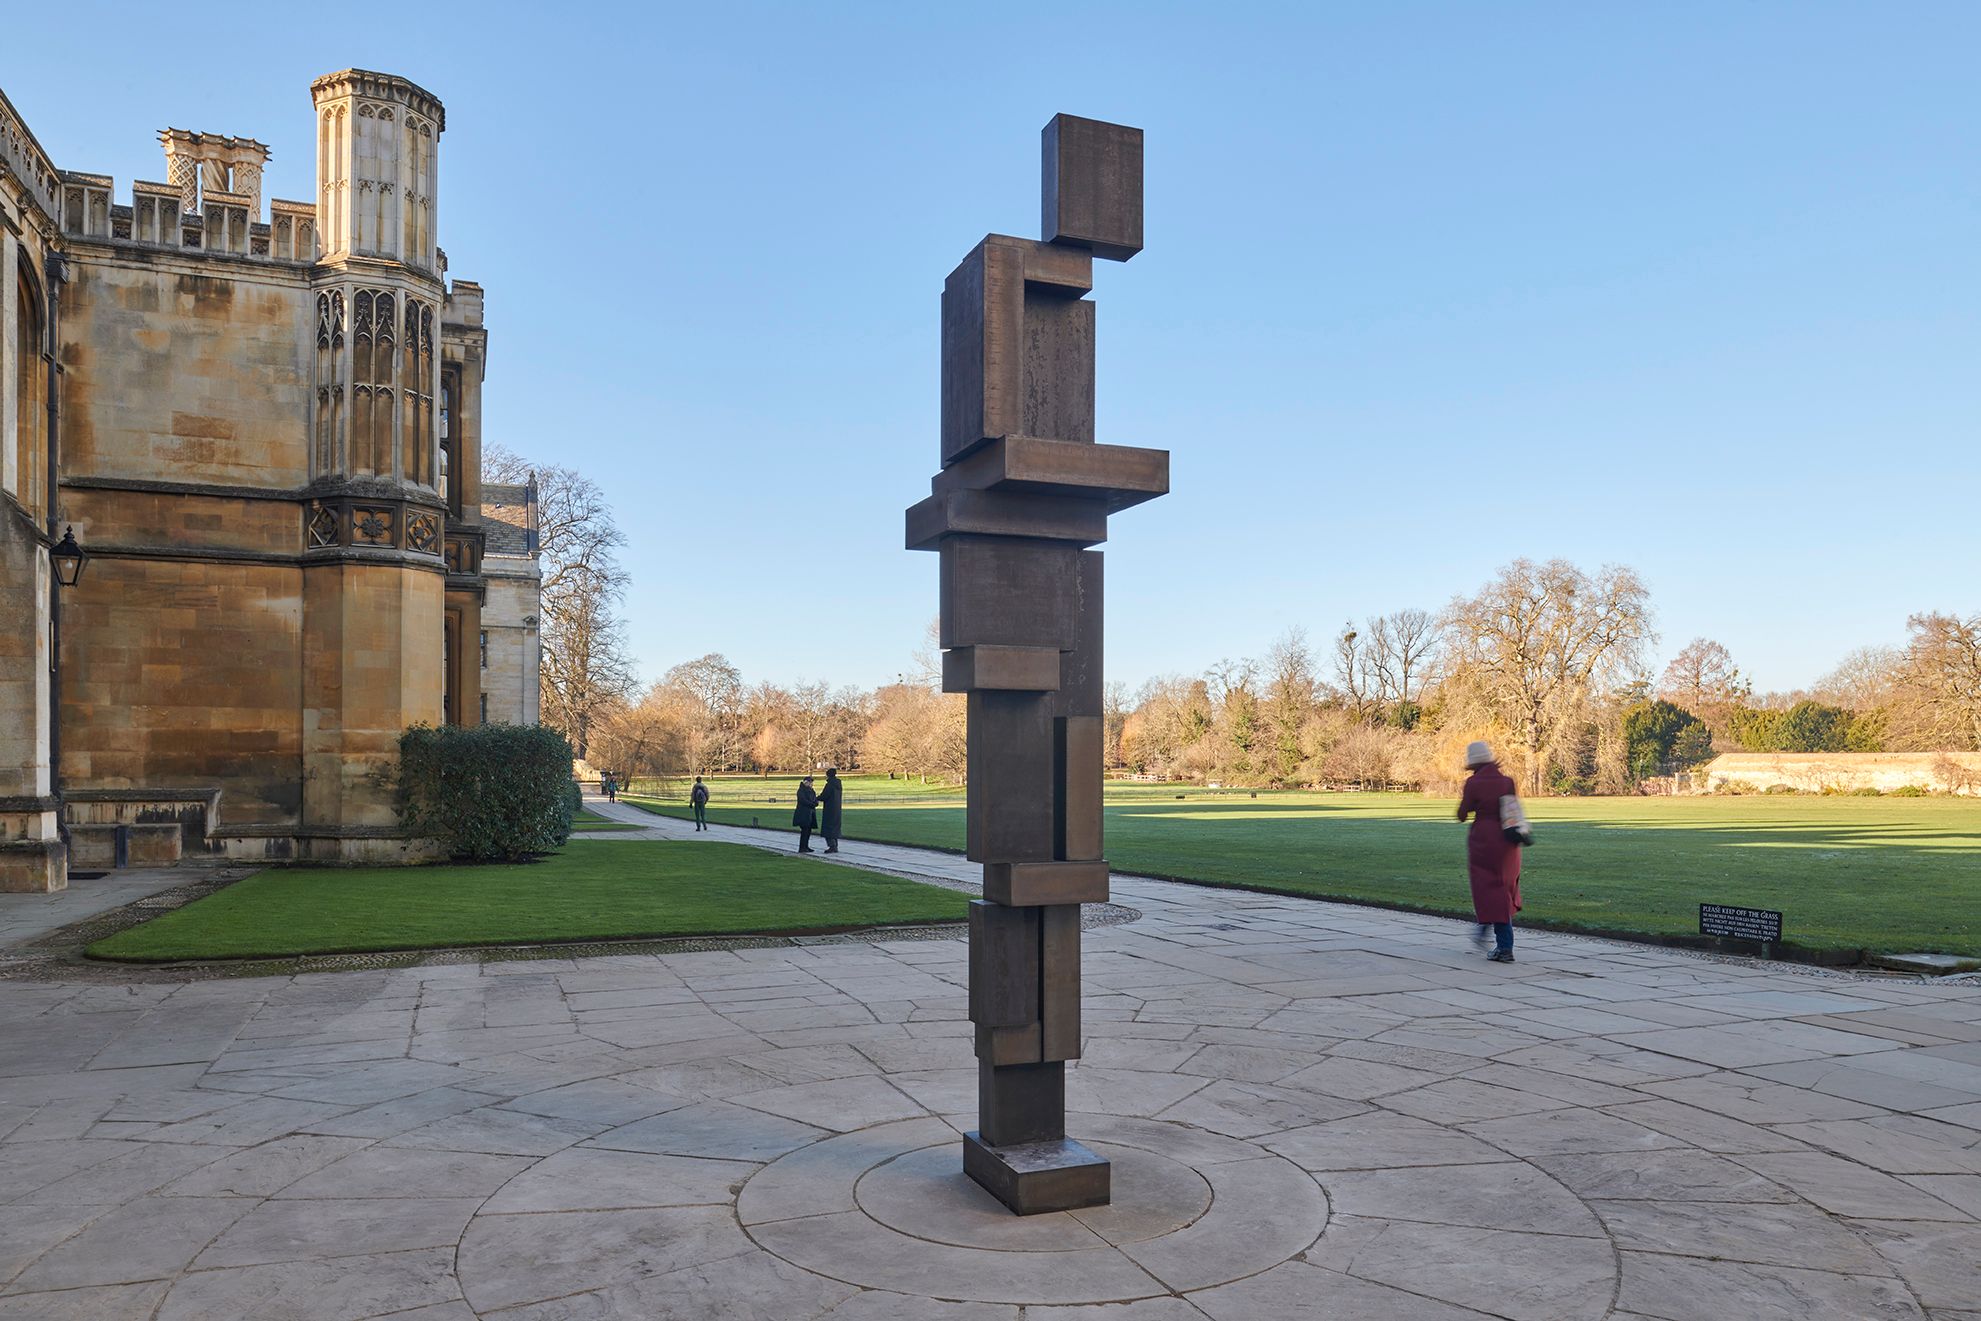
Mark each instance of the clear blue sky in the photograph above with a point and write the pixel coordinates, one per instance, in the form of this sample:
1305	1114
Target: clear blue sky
1690	287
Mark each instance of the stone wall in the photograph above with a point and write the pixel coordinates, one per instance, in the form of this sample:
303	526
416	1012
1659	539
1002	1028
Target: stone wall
510	679
33	856
513	658
371	667
181	674
1817	772
180	375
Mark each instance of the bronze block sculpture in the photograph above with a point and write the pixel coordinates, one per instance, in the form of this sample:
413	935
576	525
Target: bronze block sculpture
1023	493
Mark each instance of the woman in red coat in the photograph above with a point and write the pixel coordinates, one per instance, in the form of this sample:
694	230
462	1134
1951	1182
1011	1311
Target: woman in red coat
1493	862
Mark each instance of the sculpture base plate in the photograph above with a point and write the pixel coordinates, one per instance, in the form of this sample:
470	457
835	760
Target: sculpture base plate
1034	1177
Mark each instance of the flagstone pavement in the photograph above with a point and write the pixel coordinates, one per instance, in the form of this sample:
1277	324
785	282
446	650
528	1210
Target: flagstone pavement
1314	1111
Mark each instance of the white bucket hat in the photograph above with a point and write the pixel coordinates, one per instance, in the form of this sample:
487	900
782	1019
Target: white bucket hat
1477	753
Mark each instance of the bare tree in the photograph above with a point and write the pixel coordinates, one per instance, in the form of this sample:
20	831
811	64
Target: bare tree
585	667
642	738
1400	653
928	657
1942	682
1363	755
1702	678
1864	680
766	726
845	725
714	690
915	730
1233	689
1289	683
499	463
1539	639
1114	720
810	708
1351	670
1172	718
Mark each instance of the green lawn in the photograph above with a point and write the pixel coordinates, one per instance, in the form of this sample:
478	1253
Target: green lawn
598	890
1884	874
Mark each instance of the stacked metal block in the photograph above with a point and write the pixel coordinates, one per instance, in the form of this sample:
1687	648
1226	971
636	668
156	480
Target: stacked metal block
1023	495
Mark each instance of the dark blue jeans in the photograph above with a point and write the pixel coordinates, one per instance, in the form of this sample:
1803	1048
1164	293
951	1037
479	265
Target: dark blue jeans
1502	933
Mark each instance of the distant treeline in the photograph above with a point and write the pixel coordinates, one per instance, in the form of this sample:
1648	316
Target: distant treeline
1548	661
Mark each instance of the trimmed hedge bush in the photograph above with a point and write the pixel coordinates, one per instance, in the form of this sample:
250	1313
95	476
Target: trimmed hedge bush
491	793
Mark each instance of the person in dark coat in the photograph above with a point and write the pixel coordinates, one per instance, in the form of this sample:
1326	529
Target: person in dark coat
1494	864
698	797
806	818
829	803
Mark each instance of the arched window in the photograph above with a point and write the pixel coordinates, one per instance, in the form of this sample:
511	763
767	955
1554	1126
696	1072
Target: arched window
409	175
329	378
416	384
30	382
381	386
362	341
374	331
450	440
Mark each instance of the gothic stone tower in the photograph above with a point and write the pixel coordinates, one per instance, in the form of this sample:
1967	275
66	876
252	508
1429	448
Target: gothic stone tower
374	595
265	431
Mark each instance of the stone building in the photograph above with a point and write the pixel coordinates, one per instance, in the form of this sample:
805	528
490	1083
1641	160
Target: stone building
263	422
511	653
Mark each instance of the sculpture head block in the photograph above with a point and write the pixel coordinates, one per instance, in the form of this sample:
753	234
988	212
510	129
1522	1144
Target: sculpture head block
1093	186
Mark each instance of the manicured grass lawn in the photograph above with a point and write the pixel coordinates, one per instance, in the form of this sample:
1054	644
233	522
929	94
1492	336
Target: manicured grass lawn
1884	874
601	889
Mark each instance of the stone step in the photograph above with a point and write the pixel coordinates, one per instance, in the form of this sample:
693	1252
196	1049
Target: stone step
1927	963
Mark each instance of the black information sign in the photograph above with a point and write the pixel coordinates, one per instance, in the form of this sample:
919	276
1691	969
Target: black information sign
1743	923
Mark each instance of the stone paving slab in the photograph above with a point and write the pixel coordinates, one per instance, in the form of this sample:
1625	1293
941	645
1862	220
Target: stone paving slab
1316	1109
26	916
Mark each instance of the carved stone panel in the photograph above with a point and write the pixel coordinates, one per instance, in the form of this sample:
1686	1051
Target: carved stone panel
423	533
322	527
371	526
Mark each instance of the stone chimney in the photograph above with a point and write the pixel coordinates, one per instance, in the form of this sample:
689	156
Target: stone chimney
200	163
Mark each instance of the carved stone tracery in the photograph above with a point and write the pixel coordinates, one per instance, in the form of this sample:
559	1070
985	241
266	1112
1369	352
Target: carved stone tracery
370	523
371	527
390	370
423	532
322	530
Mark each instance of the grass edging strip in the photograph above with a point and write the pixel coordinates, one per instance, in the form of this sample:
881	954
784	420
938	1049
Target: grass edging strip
634	938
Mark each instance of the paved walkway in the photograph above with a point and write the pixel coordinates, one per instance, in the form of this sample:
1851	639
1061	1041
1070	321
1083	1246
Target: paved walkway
951	869
1314	1110
25	916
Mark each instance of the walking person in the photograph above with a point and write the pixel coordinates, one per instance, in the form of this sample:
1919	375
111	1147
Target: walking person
611	788
698	796
1492	859
806	817
829	803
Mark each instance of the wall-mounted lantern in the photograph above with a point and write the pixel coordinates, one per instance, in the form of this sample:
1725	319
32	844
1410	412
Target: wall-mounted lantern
68	557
